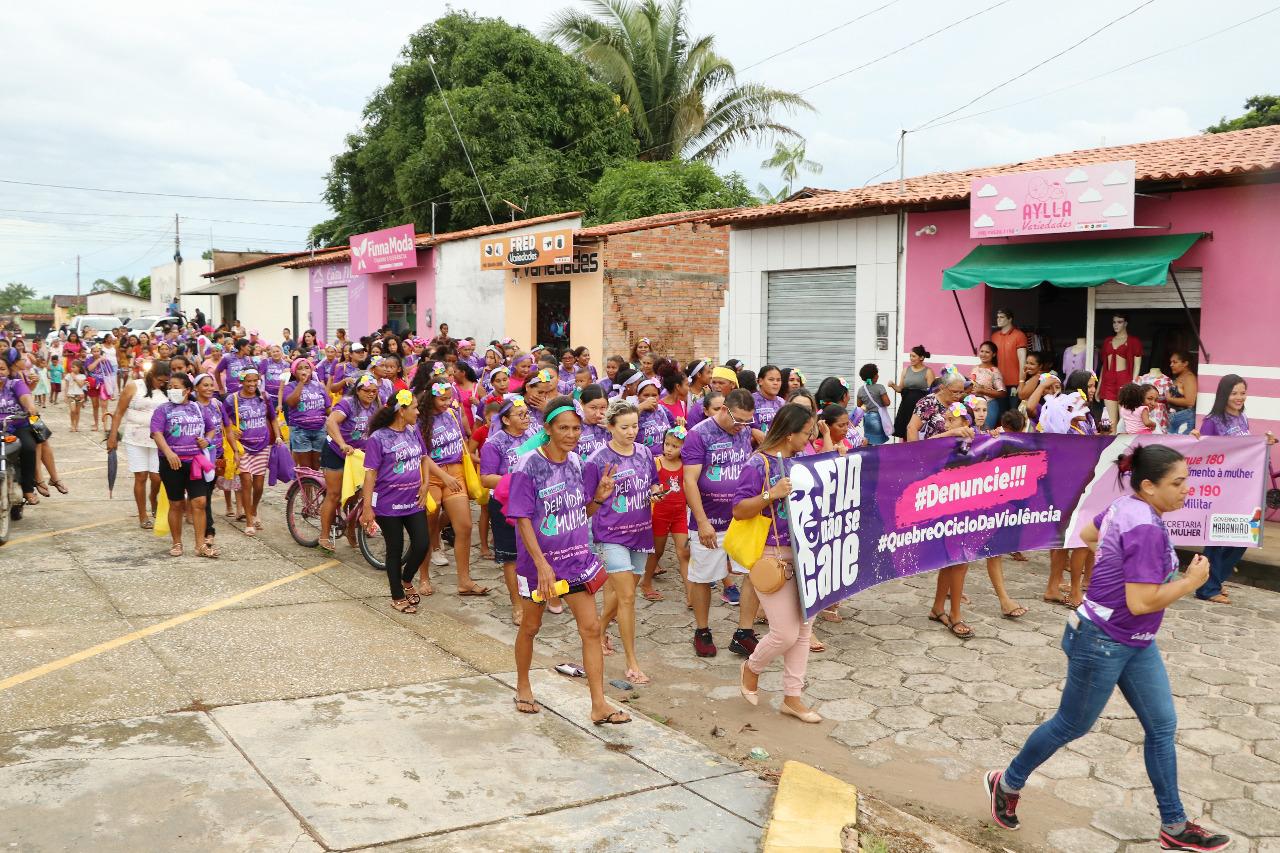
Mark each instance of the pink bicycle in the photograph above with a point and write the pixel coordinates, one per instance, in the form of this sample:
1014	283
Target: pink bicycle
302	515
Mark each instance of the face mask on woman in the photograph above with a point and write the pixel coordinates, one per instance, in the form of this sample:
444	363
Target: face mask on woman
177	396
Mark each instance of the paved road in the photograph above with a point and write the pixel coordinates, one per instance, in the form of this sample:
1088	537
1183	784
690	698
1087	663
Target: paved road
304	716
312	713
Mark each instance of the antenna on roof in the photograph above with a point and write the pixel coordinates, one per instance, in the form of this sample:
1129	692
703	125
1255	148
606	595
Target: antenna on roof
515	208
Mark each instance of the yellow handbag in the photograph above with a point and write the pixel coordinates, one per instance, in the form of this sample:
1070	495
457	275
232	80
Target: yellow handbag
744	541
478	492
161	526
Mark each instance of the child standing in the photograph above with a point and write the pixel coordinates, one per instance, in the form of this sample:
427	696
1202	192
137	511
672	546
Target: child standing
670	515
55	378
1137	408
41	391
76	381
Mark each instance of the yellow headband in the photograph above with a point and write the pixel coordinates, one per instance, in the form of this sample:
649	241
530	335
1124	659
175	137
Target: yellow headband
725	373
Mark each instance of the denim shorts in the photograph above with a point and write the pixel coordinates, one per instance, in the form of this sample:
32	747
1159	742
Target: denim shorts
620	558
306	440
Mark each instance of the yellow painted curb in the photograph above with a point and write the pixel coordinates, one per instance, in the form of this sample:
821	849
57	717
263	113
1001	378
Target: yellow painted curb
809	811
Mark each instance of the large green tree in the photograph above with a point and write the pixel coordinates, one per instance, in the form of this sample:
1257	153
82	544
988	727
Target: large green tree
539	130
684	97
13	293
1261	110
638	189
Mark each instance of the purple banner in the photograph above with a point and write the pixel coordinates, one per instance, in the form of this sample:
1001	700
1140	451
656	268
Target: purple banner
897	510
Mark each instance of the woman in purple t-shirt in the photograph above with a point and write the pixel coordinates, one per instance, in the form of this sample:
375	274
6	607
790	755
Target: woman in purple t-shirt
306	407
1110	642
182	429
768	400
1227	417
551	508
251	424
622	527
347	427
445	438
497	457
762	490
396	469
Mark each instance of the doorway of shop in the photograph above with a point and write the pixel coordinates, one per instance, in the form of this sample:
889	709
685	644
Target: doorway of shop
402	308
553	315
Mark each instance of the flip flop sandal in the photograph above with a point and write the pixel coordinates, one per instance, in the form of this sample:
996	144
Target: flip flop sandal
613	719
175	551
956	627
478	591
1015	613
817	646
526	706
146	524
58	484
556	609
831	615
635	676
233	516
210	553
42	489
412	594
327	545
249	531
403	605
653	595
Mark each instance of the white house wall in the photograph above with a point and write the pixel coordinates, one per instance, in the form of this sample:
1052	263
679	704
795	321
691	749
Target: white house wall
473	301
265	300
869	244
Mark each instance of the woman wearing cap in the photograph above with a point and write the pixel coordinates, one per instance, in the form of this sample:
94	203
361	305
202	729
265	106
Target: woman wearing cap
346	429
444	438
551	508
497	457
306	407
139	401
251	423
396	472
722	381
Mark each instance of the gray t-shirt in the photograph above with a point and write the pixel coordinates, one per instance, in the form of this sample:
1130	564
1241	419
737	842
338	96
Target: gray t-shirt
871	395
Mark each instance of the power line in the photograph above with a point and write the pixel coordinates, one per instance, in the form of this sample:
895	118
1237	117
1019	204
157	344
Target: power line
1039	64
159	195
821	35
164	216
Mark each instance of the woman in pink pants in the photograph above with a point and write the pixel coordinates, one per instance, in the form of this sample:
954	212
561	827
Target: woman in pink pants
762	490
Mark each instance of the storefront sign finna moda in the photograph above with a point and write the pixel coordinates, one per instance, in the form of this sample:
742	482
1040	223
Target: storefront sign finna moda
383	251
1093	197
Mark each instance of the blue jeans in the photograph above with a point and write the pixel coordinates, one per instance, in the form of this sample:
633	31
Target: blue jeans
1182	421
1222	562
997	406
1096	664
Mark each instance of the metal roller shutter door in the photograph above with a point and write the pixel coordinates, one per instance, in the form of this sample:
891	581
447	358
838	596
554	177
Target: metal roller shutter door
335	310
1113	295
811	321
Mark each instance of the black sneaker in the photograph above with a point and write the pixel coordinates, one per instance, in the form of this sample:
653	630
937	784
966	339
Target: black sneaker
703	645
1004	806
743	642
1195	838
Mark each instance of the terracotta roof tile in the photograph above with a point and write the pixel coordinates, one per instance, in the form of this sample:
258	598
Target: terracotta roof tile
1208	155
657	221
338	254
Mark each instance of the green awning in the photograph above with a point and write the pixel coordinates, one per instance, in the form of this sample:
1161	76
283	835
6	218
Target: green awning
1139	261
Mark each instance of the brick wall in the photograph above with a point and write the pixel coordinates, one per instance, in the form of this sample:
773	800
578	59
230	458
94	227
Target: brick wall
667	284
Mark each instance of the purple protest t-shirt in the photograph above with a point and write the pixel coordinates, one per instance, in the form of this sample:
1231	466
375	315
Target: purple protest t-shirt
626	516
182	427
355	422
232	366
721	456
396	460
312	408
751	485
498	455
252	415
325	369
653	428
551	495
10	404
1225	425
1134	547
766	410
697	413
271	372
594	437
446	438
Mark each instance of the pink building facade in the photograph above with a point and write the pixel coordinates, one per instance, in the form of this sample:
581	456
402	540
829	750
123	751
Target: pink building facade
405	299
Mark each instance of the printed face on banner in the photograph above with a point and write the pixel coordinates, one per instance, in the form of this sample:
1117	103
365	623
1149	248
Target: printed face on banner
1092	197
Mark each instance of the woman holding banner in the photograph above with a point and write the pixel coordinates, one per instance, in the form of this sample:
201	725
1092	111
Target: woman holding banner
1110	642
929	420
762	491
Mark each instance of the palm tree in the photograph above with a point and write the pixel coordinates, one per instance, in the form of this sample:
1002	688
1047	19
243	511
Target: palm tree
683	97
791	160
122	284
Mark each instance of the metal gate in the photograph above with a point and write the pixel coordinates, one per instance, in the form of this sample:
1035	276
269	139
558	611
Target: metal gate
1113	295
811	322
335	312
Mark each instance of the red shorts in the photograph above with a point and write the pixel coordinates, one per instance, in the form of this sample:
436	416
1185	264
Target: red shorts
668	519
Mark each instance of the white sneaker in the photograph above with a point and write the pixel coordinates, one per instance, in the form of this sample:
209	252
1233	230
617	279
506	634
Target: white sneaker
438	559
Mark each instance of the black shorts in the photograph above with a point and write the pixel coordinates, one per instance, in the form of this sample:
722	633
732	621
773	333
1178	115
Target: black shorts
331	459
178	485
504	533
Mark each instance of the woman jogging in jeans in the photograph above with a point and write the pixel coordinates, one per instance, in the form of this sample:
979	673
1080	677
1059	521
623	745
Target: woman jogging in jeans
1110	642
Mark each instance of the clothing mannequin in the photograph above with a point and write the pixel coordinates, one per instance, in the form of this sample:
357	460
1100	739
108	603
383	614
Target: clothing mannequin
1074	358
1121	364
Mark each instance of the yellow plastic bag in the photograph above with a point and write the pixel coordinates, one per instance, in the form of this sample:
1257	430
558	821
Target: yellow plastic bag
231	470
352	475
282	426
161	527
744	541
471	476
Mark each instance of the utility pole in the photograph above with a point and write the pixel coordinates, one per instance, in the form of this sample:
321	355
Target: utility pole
177	259
77	278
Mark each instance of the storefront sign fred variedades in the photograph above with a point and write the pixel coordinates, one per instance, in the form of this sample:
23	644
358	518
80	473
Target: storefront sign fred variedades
583	262
1088	197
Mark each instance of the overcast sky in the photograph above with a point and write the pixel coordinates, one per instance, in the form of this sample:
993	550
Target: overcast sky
251	99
